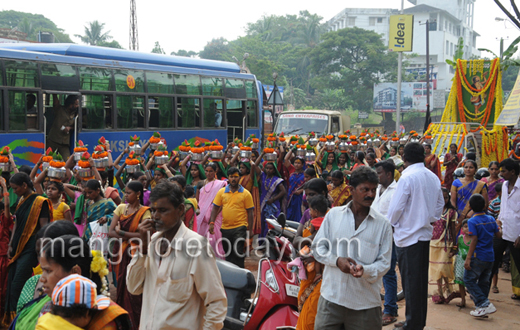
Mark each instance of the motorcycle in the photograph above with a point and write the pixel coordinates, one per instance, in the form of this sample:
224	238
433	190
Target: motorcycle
288	231
274	304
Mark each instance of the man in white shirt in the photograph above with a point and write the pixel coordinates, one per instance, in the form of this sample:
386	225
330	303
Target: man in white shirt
416	204
510	207
385	191
176	270
355	245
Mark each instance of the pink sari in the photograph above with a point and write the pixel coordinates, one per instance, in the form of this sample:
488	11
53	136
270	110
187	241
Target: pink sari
206	196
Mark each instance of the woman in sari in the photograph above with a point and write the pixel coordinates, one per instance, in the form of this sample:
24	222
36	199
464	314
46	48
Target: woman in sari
359	158
441	263
32	213
310	289
344	163
193	173
249	181
338	189
72	256
6	225
492	180
451	161
272	192
431	161
206	196
462	190
127	218
99	208
328	161
295	191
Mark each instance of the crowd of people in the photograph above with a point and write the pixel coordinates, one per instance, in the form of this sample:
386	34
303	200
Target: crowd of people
394	203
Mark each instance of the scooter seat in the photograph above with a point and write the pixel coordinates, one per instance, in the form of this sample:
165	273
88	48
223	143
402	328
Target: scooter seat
292	224
234	277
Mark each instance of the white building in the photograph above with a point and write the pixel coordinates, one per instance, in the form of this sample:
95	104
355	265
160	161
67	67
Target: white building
449	20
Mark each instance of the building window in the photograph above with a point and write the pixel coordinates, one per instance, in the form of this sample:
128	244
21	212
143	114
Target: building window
380	20
447	48
451	48
351	21
372	21
446	26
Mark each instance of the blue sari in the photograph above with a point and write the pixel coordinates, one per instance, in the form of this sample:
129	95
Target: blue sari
269	188
103	208
294	202
464	193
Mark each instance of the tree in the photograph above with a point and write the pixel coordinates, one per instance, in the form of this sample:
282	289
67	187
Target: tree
515	20
157	49
94	34
111	44
184	53
217	49
352	59
31	24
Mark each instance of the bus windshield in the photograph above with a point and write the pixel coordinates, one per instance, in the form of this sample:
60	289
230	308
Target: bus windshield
302	123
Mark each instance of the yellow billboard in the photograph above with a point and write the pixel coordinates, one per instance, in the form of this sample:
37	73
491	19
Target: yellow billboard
401	33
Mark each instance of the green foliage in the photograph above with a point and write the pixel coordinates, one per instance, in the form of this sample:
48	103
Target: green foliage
458	54
31	24
157	49
217	49
354	60
94	34
184	53
509	77
111	44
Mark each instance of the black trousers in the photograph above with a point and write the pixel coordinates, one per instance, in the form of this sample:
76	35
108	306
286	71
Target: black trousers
233	242
499	246
331	316
413	264
515	254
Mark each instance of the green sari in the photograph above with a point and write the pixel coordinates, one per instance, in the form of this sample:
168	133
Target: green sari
103	208
28	214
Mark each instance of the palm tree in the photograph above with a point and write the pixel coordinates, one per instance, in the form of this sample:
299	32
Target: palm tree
94	34
26	27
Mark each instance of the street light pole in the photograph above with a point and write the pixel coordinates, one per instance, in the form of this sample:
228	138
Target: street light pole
427	68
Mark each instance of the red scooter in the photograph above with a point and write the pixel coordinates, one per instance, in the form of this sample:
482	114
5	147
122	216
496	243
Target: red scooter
274	304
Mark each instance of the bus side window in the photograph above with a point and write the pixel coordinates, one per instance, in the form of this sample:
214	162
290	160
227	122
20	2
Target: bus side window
97	111
23	111
334	128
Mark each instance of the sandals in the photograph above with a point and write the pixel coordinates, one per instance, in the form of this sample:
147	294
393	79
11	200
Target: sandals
495	289
460	305
452	296
388	319
515	297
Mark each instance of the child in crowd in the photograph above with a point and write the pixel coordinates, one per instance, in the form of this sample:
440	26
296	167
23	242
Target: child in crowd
74	303
479	261
60	210
461	250
189	194
318	206
494	210
325	175
494	206
6	225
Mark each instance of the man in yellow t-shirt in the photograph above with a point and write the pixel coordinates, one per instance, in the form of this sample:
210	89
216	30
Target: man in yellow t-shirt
237	217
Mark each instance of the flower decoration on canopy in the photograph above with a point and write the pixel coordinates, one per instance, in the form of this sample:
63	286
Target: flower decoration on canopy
80	147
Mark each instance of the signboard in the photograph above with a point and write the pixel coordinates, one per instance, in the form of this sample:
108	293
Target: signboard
413	96
511	112
401	33
362	115
439	99
304	115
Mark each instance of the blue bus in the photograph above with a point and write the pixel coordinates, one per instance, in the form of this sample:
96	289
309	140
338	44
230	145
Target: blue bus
122	93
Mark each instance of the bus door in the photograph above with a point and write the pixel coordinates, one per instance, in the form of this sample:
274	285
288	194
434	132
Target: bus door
52	101
235	119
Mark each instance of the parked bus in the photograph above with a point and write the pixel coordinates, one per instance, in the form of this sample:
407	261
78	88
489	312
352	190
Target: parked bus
122	93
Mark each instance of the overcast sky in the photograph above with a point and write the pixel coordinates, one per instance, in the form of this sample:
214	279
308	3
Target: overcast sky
190	25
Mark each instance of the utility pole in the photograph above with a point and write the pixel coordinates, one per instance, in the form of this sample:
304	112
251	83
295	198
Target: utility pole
427	68
399	79
134	38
